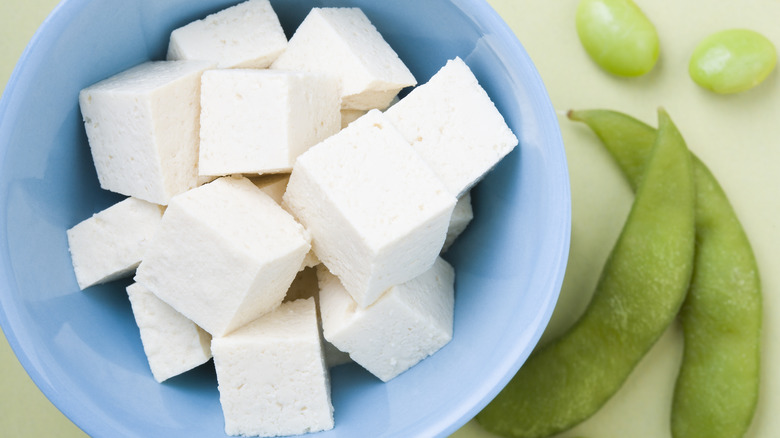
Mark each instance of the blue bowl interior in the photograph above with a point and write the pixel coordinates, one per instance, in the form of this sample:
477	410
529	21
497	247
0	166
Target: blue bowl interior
82	348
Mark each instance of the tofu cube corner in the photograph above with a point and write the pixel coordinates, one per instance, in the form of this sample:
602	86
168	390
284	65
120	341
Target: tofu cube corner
272	376
408	323
344	43
225	254
172	343
259	121
452	123
377	214
110	244
142	128
247	35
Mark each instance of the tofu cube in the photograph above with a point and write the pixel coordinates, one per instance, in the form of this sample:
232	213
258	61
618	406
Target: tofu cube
247	35
342	42
461	218
259	121
271	374
110	244
173	344
142	127
377	214
408	323
452	123
225	254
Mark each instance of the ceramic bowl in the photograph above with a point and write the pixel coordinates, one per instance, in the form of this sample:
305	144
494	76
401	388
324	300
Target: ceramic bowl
82	348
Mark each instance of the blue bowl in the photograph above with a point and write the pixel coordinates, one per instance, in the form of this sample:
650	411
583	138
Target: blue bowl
83	350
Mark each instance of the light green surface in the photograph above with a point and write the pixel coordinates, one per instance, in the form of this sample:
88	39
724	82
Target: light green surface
737	136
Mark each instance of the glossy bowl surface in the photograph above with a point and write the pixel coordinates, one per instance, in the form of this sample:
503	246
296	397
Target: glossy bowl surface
82	348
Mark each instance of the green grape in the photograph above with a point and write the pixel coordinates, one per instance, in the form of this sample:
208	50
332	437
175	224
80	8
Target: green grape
618	36
732	60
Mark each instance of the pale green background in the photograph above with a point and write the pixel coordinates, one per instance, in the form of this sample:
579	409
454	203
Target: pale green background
737	136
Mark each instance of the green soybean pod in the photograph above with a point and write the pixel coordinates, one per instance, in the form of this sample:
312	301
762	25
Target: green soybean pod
618	36
718	385
732	61
639	292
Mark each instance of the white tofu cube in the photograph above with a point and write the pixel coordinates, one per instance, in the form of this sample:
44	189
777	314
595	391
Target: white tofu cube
142	126
173	344
342	42
259	121
378	215
461	218
408	323
247	35
454	126
224	255
271	374
110	244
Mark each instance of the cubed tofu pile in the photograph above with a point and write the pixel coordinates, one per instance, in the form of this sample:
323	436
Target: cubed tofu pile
286	212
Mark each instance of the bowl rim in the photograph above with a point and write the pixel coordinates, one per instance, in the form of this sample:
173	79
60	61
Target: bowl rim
485	17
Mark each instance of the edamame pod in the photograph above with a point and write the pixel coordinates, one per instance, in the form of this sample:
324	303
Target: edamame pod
718	384
638	295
